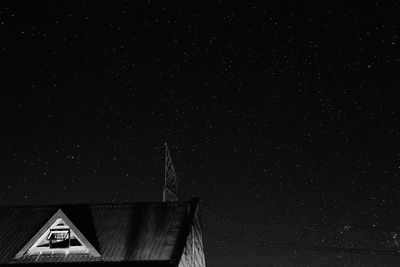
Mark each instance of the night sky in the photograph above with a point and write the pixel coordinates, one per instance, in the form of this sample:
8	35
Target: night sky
278	115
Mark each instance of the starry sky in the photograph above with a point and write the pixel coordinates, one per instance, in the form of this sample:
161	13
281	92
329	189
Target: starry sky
278	116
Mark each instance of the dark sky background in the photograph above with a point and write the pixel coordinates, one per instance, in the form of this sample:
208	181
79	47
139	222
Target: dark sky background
278	115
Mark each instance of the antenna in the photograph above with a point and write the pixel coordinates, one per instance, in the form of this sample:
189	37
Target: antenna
170	192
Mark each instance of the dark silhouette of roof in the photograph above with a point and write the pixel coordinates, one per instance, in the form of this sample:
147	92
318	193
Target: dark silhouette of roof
148	234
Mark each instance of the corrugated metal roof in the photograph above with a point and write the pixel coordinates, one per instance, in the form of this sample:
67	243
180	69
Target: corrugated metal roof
121	233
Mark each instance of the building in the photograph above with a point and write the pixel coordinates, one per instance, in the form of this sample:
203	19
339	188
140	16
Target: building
164	233
137	234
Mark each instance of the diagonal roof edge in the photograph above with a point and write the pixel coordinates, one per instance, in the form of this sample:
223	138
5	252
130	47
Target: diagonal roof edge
58	214
191	207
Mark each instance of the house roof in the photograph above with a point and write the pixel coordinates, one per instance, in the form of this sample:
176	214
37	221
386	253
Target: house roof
135	232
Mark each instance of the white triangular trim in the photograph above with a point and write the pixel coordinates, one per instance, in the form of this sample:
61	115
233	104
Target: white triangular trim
59	216
42	244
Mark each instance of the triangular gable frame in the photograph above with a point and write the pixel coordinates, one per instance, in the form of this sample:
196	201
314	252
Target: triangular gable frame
47	225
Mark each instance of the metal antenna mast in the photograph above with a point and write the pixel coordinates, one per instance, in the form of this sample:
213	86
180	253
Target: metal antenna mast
170	192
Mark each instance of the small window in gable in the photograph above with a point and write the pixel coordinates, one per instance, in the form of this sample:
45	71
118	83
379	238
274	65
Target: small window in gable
57	238
58	235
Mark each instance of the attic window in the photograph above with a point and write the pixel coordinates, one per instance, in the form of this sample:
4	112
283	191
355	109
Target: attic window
59	238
